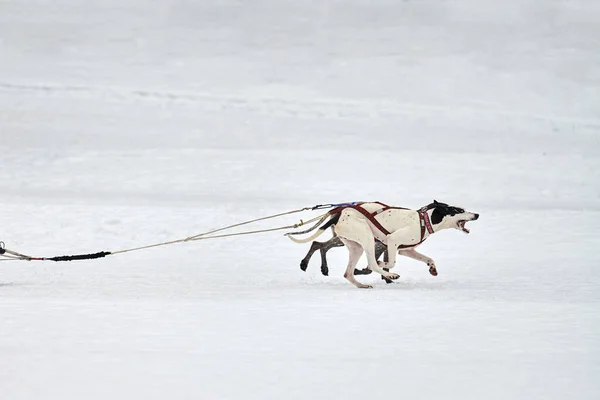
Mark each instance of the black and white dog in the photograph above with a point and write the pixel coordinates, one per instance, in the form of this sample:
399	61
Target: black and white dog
360	226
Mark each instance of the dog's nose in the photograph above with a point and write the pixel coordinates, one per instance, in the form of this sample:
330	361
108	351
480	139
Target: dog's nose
476	216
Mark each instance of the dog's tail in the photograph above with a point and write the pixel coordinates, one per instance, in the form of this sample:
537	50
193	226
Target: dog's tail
318	233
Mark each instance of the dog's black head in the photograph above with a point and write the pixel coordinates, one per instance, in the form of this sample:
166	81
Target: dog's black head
446	216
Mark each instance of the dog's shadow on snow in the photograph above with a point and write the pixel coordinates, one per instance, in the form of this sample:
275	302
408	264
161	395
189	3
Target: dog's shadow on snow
400	284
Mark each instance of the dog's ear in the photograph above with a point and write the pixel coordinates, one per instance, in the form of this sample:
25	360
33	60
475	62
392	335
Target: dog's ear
437	215
435	202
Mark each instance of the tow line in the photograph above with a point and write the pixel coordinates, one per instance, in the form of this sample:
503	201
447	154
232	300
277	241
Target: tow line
11	255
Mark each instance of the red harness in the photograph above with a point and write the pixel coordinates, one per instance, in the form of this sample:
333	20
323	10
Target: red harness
423	217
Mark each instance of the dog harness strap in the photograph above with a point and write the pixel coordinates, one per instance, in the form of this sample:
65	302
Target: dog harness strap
425	227
382	209
425	218
336	210
368	215
371	218
385	207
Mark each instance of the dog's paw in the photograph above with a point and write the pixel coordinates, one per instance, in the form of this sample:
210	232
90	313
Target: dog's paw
324	270
363	286
432	269
388	277
364	271
303	265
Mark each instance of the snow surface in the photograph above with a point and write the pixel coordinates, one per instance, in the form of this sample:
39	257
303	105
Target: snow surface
125	122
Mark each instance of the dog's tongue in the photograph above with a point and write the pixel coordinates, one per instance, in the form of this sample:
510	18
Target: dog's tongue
463	227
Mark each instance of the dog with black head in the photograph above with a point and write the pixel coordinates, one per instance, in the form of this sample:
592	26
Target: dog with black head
360	225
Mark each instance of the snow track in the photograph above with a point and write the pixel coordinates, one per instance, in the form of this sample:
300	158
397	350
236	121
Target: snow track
131	123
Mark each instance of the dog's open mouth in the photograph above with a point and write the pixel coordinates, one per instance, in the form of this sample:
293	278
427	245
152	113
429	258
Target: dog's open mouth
461	225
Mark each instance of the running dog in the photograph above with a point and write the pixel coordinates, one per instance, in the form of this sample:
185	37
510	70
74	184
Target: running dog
359	225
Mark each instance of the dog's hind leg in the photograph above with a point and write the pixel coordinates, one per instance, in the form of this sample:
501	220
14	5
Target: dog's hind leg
380	249
355	250
314	247
323	248
331	243
415	255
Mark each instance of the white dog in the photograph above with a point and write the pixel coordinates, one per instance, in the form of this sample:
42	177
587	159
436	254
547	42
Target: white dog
358	225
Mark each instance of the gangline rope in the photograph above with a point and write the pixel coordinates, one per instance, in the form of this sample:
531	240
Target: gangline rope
11	255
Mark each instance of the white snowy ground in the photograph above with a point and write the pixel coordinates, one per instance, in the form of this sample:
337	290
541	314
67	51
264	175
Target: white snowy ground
125	122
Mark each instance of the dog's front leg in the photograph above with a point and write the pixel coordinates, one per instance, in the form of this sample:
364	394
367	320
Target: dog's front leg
389	259
394	240
415	255
386	259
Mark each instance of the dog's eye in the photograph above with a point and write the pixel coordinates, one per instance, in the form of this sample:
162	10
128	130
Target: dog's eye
459	210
